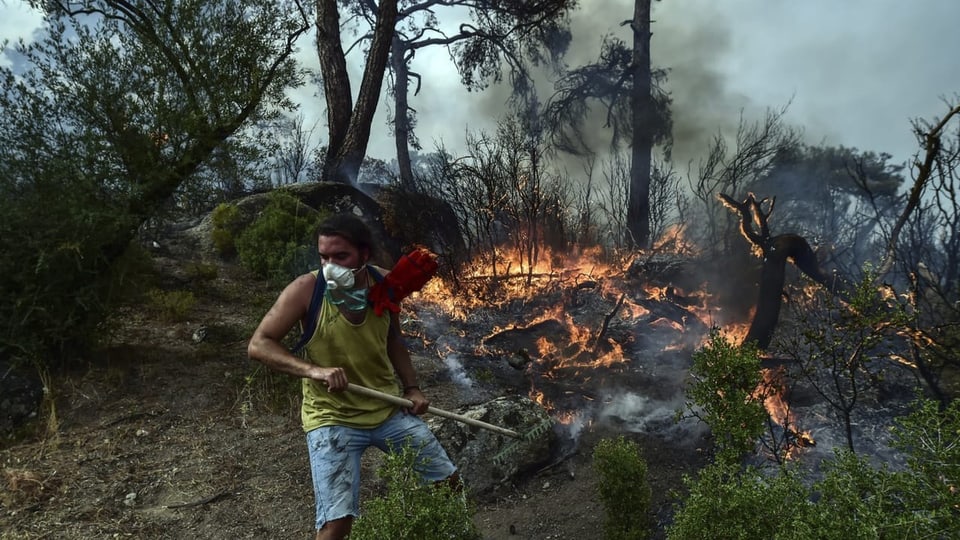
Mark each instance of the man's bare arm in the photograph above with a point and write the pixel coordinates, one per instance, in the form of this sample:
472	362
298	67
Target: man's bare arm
403	366
266	344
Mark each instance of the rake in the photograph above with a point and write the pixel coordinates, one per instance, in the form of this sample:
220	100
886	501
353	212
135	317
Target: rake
399	401
500	457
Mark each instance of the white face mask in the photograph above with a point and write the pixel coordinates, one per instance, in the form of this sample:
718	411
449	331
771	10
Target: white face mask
338	277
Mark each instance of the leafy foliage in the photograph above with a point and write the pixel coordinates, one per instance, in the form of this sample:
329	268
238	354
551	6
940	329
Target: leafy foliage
203	271
723	395
838	196
853	500
278	244
100	125
842	344
172	305
930	438
413	510
226	222
623	489
725	502
608	83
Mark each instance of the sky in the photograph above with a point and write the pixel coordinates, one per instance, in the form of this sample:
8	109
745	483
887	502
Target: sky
854	73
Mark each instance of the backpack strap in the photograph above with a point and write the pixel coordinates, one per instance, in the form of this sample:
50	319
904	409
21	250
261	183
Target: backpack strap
313	312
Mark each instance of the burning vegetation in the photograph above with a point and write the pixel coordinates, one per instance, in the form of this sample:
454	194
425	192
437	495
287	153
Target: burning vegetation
545	291
577	331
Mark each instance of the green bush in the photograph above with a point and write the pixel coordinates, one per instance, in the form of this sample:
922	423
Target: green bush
930	437
412	510
171	305
203	271
726	501
724	395
854	500
57	276
623	488
279	243
261	389
225	219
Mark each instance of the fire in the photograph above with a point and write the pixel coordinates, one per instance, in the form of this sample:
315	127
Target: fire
511	279
737	331
674	240
570	348
771	390
537	396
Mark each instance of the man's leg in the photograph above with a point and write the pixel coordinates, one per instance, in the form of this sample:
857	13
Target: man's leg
335	467
433	464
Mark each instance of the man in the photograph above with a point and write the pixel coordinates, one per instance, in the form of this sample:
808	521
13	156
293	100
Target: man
353	342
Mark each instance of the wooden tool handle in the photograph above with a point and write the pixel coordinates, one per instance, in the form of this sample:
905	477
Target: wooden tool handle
399	401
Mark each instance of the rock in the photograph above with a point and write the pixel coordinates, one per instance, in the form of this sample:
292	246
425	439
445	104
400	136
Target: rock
327	197
487	459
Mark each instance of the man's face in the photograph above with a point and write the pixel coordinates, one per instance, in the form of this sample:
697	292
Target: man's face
337	250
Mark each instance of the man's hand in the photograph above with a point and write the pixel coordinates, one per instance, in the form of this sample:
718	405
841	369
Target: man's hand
410	274
335	378
420	401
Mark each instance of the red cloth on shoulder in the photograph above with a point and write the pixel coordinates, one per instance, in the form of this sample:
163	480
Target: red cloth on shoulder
409	275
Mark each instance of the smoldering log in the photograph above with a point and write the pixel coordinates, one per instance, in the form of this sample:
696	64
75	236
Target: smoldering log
670	311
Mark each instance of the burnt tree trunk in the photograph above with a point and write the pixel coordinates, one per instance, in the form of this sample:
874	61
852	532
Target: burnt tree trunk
775	250
401	114
779	249
638	204
336	80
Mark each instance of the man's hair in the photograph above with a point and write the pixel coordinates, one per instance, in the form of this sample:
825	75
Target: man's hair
349	227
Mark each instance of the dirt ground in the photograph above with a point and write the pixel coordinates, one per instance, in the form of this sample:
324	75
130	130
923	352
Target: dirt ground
170	434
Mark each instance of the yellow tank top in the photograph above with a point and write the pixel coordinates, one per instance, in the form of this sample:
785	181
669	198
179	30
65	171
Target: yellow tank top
361	349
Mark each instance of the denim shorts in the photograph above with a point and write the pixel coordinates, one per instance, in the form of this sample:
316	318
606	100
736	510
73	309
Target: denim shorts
335	453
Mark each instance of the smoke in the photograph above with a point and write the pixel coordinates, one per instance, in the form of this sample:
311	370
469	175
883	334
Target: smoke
634	413
690	44
455	368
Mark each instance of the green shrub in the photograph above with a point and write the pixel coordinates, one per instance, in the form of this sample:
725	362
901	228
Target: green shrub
279	243
203	271
854	500
225	219
412	510
623	488
57	276
171	305
726	501
263	389
724	395
930	437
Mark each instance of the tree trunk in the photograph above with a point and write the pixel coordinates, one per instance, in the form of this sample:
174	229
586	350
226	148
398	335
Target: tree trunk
345	166
336	80
401	118
638	206
769	298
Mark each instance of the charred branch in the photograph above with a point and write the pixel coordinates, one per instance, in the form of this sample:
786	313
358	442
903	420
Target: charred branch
606	322
930	140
